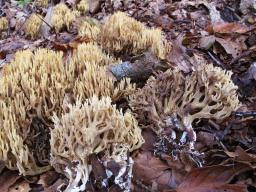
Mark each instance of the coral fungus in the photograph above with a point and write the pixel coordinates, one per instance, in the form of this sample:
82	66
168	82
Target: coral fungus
41	3
83	6
3	23
89	128
62	17
207	93
30	88
92	53
36	85
32	25
89	29
96	81
121	33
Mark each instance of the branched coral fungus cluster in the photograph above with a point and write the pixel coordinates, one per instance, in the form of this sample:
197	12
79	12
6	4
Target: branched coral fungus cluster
56	112
124	34
86	129
36	85
208	93
119	34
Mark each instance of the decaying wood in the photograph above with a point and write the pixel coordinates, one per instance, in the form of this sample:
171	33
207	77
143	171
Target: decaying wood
139	68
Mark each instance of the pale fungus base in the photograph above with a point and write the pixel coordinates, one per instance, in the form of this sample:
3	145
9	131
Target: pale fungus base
90	128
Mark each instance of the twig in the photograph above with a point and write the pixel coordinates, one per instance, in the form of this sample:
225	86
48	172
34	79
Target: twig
245	114
45	22
216	60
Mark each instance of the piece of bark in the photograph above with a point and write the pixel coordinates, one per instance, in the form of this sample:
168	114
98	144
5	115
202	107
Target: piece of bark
138	70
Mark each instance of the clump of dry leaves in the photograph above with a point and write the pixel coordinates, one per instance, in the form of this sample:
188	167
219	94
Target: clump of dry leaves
126	96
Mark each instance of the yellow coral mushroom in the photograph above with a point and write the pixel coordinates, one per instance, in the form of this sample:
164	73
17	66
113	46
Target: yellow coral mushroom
123	33
62	17
32	25
89	61
90	30
86	129
83	6
96	81
41	3
92	53
3	23
36	85
207	93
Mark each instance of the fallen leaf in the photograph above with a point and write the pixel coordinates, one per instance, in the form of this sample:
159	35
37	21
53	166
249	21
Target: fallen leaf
94	6
232	47
242	156
227	28
178	55
207	42
47	179
212	179
153	171
214	13
55	186
7	179
22	186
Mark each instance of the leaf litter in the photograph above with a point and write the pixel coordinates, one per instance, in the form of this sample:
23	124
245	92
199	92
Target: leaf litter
203	32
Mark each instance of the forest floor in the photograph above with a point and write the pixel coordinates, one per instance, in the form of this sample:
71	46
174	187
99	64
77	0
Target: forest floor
221	32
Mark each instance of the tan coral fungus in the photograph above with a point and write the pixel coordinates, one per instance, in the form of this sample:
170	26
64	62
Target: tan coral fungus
207	93
89	62
3	23
89	29
83	6
96	81
92	53
36	85
31	87
122	33
62	17
87	129
32	25
41	3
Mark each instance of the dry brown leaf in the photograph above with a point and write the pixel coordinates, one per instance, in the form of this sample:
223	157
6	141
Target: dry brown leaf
22	186
223	27
241	155
207	42
178	55
212	179
7	179
232	47
154	172
47	179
